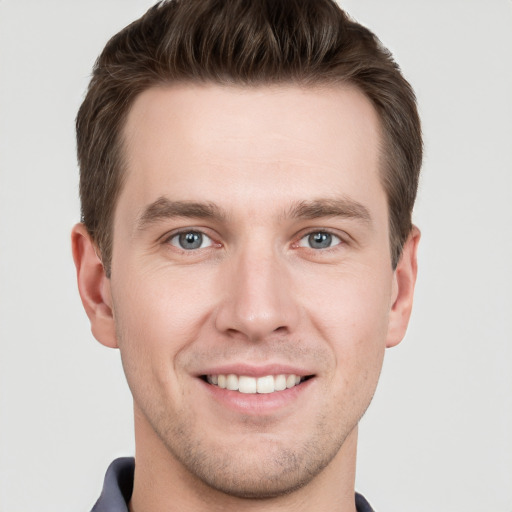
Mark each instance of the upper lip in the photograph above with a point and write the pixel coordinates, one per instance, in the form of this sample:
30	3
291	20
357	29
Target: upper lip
256	371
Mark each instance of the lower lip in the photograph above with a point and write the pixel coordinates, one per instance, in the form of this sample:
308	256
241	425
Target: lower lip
257	404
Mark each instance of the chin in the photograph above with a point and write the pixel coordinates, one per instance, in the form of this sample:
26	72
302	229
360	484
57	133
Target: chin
265	469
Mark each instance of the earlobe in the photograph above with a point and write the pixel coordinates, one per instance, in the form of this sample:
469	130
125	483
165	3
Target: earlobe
94	286
404	280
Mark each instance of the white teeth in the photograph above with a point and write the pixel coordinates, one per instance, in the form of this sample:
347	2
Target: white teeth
232	382
251	385
280	382
246	384
290	381
266	384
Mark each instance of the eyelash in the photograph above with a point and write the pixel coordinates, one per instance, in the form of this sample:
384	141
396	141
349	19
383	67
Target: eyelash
335	237
176	235
295	245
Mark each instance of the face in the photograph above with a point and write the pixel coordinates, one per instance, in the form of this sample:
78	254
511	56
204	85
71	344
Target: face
252	289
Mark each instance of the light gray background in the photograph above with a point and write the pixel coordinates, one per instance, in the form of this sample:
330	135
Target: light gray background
438	435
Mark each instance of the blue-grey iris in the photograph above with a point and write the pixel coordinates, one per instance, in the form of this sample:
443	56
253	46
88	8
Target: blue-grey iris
320	240
190	240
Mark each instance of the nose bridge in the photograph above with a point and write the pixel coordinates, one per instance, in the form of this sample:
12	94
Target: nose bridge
258	298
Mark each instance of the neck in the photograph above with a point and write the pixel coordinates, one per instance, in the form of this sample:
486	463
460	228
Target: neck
162	484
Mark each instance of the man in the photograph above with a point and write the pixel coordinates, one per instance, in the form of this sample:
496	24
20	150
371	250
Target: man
248	172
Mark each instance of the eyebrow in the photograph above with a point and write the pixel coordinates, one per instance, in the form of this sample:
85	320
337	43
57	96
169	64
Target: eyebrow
336	207
163	208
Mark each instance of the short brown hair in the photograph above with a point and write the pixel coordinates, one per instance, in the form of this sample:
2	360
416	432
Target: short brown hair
246	42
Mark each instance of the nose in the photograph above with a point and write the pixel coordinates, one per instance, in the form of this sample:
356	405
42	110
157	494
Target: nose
258	297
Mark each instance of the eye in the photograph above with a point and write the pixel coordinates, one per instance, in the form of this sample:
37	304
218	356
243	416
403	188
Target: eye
319	240
190	240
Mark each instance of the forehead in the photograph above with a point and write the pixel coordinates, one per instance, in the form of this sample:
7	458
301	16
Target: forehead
198	142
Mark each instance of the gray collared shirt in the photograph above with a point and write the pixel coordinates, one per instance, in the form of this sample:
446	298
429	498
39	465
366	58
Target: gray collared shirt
118	486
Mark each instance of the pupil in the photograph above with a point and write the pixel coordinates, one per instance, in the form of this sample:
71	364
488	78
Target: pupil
320	240
191	240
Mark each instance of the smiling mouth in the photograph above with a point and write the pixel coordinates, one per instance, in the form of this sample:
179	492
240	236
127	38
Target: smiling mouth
253	385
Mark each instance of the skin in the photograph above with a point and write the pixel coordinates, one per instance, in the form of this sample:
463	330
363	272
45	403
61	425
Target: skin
278	164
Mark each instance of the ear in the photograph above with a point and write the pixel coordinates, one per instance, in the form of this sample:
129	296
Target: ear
404	279
94	286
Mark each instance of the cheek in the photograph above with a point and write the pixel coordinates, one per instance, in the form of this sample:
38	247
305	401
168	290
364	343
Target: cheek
352	315
160	313
154	323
